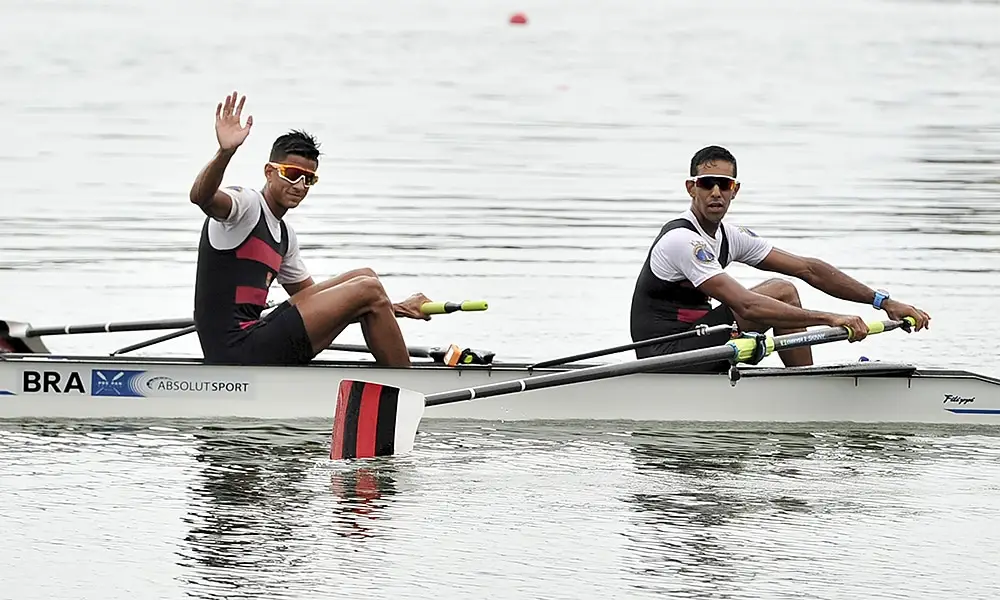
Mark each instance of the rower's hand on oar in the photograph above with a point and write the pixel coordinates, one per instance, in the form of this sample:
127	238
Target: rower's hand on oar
410	307
227	123
897	310
857	326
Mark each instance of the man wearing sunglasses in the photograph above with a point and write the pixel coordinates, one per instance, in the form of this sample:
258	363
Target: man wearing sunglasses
686	265
245	245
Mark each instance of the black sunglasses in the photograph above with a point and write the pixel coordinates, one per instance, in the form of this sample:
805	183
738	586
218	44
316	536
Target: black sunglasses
707	182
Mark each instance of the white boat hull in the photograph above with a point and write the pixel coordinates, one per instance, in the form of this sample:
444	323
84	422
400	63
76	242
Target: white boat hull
50	387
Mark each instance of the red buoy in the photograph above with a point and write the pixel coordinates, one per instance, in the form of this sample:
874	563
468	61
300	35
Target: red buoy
518	19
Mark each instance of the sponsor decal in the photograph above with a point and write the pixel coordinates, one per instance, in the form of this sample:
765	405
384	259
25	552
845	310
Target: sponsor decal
122	383
807	337
142	384
952	403
115	383
956	399
701	252
748	231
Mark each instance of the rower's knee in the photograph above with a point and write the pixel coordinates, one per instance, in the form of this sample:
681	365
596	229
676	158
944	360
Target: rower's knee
363	272
371	290
780	289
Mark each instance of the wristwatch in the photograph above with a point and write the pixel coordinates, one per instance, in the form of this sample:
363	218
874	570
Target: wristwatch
880	297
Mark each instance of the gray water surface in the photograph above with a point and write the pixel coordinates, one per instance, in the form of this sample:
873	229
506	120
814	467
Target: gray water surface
173	510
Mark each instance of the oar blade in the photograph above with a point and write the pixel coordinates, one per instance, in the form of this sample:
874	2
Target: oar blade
374	419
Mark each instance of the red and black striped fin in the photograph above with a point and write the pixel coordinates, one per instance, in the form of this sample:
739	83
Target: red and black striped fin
373	419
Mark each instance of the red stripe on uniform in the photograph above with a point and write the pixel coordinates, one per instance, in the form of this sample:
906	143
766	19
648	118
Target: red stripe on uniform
246	294
368	420
337	441
256	249
690	315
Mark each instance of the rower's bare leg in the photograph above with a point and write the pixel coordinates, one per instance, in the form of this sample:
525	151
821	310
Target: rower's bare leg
785	291
328	311
329	283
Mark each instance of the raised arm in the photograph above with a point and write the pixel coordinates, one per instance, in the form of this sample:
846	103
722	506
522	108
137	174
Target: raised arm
205	191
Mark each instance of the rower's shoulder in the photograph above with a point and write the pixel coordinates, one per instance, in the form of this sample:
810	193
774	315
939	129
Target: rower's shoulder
239	192
675	236
681	221
734	229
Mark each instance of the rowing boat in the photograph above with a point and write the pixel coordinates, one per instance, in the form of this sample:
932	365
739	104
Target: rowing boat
105	387
466	384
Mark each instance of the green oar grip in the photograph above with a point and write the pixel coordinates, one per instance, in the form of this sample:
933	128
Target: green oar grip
879	327
440	308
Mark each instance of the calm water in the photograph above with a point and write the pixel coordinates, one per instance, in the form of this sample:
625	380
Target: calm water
175	510
531	167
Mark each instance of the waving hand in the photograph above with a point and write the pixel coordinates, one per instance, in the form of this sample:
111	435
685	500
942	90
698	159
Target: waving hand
227	123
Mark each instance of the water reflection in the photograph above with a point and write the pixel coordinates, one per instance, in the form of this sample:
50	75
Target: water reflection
245	516
698	488
363	492
266	504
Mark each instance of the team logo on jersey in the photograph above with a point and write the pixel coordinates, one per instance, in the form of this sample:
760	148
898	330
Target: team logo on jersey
748	231
702	253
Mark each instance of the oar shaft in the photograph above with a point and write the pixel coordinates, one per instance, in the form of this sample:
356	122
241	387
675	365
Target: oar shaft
698	331
414	351
156	340
430	308
738	350
110	327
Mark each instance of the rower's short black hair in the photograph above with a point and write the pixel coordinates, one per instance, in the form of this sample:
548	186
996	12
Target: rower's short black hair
711	154
295	142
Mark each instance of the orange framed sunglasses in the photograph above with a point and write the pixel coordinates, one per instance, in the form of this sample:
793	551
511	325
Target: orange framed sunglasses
293	174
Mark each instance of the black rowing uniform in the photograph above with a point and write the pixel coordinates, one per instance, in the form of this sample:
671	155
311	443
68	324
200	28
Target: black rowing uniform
238	259
666	299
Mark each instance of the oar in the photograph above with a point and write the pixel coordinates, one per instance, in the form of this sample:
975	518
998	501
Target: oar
436	354
700	330
451	355
156	340
373	419
430	308
112	327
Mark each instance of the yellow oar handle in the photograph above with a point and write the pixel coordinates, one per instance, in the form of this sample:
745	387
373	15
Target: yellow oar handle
440	308
879	327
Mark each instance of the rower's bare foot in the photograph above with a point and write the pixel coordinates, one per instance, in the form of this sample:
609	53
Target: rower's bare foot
410	307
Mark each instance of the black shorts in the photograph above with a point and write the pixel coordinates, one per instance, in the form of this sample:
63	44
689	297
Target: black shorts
720	315
279	338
